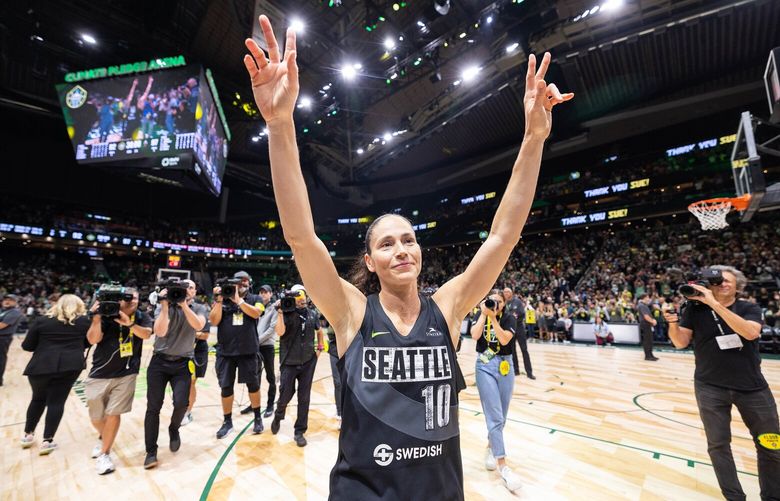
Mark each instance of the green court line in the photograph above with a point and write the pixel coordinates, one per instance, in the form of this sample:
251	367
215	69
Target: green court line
636	402
690	462
207	488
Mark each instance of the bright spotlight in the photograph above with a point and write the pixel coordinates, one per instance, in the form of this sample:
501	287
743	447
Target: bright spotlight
470	73
297	26
348	71
304	102
512	47
611	5
387	136
88	38
389	44
360	151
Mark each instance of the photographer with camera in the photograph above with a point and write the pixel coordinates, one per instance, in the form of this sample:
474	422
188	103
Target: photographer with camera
177	319
297	357
494	332
235	312
728	373
110	385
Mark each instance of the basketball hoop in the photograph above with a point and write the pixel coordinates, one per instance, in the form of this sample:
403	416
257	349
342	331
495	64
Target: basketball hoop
712	213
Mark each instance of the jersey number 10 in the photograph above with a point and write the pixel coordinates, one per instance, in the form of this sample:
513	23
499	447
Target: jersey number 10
441	403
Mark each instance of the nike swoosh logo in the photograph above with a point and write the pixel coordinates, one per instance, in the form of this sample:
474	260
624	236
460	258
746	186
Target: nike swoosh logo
375	334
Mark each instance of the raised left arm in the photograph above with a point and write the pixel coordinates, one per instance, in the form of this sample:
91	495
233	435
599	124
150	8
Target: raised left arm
458	295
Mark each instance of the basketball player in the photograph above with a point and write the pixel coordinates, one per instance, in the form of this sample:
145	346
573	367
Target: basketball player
399	436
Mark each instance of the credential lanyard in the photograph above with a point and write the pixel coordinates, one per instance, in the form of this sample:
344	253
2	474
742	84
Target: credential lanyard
720	327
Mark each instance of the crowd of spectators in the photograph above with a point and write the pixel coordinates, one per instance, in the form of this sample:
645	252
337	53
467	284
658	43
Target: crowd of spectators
574	276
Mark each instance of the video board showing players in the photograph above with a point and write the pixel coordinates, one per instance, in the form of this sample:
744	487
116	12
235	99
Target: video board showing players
134	116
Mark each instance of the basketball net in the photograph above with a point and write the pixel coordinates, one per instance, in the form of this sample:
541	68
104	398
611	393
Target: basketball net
712	213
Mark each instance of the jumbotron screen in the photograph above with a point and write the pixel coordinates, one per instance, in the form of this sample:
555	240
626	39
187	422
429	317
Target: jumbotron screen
158	120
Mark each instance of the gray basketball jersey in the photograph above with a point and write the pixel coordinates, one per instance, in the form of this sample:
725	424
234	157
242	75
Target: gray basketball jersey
399	431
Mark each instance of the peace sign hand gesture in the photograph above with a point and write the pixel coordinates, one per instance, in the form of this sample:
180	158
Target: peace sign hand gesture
540	98
274	79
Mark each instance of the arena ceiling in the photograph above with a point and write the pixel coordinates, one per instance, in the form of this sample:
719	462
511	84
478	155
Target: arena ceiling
635	66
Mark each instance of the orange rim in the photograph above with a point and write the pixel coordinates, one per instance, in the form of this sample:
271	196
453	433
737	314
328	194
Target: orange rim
739	203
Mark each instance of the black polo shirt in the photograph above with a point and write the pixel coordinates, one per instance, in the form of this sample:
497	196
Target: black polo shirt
296	346
735	369
107	363
237	331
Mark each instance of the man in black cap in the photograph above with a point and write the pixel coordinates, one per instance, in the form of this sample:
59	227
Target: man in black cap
235	317
266	336
10	316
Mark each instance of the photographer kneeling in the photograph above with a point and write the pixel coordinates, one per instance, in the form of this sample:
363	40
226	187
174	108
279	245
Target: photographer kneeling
110	385
177	319
728	372
235	313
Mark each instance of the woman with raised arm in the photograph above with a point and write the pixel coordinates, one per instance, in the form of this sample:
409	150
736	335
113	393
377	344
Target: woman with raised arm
399	434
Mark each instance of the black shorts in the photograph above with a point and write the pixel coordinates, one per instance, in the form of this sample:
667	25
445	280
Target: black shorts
201	363
227	366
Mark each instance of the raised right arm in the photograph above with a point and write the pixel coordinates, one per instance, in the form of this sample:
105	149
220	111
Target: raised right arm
275	88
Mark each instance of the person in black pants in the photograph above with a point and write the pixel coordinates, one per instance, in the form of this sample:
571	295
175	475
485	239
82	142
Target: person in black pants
266	337
515	307
727	331
297	359
235	316
174	327
58	341
10	316
646	325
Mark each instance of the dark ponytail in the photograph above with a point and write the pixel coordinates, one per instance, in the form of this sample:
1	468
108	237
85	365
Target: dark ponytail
366	281
360	276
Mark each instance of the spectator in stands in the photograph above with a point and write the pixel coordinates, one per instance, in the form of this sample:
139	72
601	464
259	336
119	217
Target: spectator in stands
530	318
602	332
57	341
562	328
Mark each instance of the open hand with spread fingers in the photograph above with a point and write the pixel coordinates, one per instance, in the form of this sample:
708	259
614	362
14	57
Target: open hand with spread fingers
540	98
274	78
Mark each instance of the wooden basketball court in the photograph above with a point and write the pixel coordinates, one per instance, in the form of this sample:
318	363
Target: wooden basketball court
598	423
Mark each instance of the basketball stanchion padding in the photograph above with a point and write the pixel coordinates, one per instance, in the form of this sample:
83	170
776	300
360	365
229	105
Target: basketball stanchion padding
712	212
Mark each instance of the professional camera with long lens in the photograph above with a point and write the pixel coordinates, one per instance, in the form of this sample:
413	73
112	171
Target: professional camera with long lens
176	290
288	301
109	296
707	277
490	304
228	286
